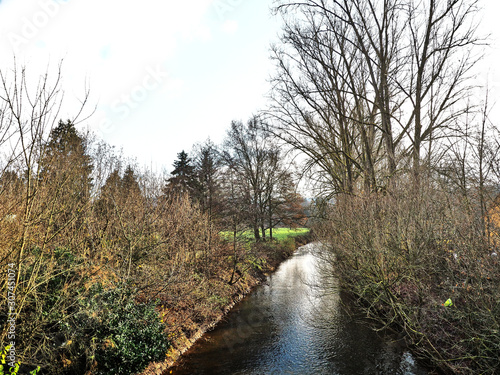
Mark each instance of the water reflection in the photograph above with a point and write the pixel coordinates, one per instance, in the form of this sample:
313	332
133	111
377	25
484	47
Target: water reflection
290	326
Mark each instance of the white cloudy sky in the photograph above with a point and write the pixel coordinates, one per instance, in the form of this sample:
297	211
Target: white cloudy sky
163	74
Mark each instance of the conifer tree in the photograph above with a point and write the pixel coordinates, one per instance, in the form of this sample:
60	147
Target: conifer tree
65	175
130	185
208	174
183	180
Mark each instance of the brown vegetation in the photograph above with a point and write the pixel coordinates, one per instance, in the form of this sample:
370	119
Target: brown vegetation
113	268
404	254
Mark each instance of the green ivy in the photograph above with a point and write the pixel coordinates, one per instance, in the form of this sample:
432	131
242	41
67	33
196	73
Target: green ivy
126	335
12	370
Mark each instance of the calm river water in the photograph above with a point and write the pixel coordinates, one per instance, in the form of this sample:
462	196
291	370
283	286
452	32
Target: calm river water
289	326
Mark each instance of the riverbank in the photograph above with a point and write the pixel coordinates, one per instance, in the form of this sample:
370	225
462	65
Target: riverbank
417	263
199	310
288	325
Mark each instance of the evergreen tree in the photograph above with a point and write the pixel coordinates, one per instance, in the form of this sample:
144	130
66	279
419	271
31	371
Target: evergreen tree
208	173
10	183
65	175
113	183
183	180
129	184
66	161
110	192
117	190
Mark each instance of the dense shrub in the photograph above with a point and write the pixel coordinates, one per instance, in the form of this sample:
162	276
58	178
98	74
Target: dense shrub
68	326
403	254
123	336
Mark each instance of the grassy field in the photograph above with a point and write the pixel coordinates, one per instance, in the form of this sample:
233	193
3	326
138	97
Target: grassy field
278	233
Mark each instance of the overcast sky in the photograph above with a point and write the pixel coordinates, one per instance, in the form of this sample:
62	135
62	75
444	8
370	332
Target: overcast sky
163	74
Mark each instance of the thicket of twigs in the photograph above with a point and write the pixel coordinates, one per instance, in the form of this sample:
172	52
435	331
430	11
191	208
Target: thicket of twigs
405	252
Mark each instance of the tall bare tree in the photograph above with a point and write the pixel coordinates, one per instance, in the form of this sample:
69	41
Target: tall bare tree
361	85
265	184
439	46
30	112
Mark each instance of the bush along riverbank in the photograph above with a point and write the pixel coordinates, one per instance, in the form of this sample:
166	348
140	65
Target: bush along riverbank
201	301
111	285
420	262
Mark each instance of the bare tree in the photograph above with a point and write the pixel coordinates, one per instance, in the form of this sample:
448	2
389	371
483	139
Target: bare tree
440	41
30	114
44	174
264	181
247	155
361	85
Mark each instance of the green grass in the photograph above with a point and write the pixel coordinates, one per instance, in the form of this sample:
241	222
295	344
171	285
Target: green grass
279	234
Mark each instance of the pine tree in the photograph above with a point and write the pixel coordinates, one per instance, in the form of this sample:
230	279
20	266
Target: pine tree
129	185
65	175
183	180
208	171
66	161
117	191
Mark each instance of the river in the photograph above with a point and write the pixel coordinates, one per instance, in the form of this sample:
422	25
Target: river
290	326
